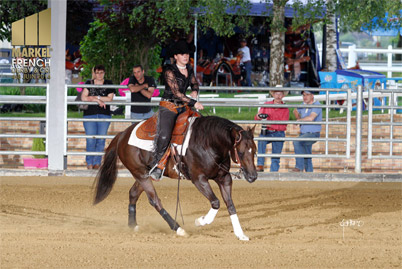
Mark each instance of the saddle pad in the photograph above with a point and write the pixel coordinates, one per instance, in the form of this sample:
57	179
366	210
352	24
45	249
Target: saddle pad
148	145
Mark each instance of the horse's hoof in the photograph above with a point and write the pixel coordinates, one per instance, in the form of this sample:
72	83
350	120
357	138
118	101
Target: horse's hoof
181	232
199	222
243	237
136	228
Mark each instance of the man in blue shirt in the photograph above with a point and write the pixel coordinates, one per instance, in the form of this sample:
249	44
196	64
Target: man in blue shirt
307	131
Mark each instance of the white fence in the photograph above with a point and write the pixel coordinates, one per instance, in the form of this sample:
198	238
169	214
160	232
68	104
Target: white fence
389	65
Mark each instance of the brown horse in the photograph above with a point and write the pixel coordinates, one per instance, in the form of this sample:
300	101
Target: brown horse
214	141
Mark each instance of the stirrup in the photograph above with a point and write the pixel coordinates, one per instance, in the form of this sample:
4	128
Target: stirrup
156	173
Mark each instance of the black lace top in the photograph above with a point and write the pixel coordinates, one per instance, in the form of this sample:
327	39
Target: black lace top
176	84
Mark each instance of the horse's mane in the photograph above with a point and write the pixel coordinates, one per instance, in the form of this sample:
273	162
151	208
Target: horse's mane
211	129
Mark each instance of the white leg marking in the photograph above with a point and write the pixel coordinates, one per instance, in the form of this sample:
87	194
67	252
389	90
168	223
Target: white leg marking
237	228
181	232
136	228
207	219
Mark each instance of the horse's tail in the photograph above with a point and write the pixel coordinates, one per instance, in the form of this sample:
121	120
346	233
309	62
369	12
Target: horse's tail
107	173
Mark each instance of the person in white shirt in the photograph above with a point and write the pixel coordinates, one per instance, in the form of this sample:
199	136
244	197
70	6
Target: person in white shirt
246	60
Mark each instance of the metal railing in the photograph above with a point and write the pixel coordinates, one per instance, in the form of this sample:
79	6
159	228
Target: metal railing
14	99
393	108
235	102
209	102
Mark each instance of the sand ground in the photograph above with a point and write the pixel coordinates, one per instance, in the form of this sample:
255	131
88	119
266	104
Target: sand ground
50	222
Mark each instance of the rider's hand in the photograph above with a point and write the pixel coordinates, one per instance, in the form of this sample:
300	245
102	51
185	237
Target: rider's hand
199	106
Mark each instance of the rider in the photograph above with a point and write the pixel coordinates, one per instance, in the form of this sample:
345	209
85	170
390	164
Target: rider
178	77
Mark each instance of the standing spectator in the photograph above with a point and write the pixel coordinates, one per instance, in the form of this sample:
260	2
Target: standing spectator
246	60
307	131
100	111
141	88
272	130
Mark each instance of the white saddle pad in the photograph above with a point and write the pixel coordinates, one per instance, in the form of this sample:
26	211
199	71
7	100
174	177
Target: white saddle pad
148	145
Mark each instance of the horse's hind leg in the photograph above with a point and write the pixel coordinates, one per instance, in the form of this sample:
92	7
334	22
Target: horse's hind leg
156	203
134	194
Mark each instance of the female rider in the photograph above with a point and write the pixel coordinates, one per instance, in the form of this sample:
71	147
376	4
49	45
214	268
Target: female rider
178	77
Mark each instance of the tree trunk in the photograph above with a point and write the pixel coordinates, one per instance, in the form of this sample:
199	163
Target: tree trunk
398	57
276	62
331	60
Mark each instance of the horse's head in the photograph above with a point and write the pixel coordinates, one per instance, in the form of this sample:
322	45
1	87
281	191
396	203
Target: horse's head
243	152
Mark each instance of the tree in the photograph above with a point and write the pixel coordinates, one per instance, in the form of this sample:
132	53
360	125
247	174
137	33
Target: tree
170	17
350	20
310	11
276	62
130	32
117	49
11	11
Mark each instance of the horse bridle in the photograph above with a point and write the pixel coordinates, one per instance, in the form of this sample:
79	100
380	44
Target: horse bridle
235	149
237	174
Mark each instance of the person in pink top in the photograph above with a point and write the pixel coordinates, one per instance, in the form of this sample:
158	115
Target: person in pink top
272	130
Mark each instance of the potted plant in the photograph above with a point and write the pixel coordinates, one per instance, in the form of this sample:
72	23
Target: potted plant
38	161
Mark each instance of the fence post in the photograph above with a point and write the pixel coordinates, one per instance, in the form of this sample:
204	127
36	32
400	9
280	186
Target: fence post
389	64
57	96
352	56
359	116
127	110
349	122
370	124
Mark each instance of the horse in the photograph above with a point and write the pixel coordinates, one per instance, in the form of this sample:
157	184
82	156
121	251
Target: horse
214	142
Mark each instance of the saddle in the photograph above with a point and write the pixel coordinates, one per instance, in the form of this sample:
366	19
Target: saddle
147	130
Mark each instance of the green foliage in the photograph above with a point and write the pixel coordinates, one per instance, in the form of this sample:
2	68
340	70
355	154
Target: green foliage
38	144
35	91
118	49
127	33
307	12
168	18
350	20
11	11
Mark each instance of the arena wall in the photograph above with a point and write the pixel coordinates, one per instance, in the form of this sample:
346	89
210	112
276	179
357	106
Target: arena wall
324	165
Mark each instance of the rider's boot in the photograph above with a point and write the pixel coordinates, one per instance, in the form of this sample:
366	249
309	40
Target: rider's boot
157	172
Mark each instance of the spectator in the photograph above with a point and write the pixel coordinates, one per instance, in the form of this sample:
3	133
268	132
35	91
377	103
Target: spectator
100	111
246	60
306	131
141	88
272	130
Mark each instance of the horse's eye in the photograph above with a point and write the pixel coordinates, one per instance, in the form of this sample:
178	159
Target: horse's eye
241	154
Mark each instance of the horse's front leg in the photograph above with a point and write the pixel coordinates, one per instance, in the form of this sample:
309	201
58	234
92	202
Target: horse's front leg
203	186
225	186
156	203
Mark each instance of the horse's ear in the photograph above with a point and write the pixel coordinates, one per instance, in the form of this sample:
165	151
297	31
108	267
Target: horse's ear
252	129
